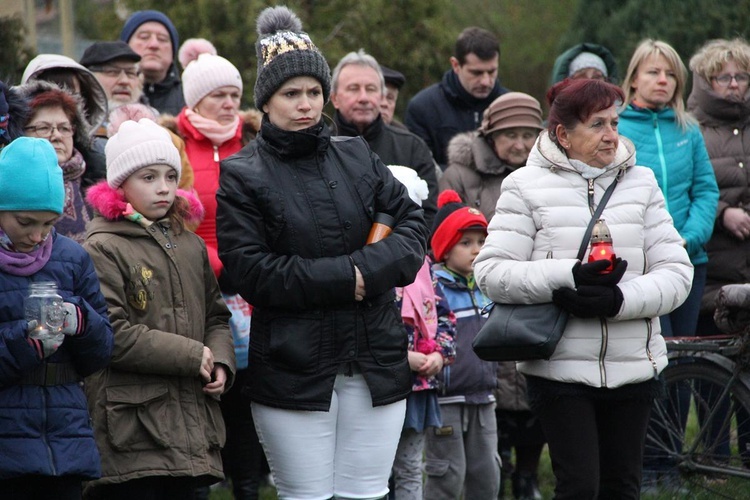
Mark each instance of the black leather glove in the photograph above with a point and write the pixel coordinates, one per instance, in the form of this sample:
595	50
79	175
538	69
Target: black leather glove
590	274
589	301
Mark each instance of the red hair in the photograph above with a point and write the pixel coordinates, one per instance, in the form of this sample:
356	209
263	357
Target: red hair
574	101
54	98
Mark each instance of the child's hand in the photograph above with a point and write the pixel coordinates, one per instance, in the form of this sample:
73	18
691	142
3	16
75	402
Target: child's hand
416	360
207	365
74	322
216	386
432	365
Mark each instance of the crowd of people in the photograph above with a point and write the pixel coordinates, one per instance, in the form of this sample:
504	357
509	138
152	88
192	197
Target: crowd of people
229	309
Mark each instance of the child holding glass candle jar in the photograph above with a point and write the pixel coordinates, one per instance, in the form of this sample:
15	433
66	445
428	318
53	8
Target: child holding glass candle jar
46	442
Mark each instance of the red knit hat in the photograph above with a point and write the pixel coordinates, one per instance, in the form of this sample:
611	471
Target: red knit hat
452	219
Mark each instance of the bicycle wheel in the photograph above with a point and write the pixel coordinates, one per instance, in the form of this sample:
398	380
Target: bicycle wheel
698	435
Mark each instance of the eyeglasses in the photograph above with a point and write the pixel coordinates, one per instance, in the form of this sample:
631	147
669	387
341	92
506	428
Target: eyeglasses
726	80
44	130
115	72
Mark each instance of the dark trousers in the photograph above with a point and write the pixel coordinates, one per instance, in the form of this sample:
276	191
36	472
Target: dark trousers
242	454
596	446
41	488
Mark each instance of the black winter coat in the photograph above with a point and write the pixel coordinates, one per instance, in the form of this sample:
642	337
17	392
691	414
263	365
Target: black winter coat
294	212
166	96
442	110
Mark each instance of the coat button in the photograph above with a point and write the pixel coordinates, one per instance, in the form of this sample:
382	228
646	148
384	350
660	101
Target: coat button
351	353
741	165
333	184
736	131
347	224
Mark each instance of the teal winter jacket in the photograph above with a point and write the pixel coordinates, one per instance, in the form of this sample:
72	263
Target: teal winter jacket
683	170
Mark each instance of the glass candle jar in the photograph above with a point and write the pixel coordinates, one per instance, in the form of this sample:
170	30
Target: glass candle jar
44	307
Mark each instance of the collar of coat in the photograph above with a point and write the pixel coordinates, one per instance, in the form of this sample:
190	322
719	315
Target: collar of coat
547	154
111	203
714	111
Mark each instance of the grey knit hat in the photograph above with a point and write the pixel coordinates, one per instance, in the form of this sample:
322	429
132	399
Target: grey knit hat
284	51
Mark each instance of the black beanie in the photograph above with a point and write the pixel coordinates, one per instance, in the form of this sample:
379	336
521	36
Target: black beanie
284	51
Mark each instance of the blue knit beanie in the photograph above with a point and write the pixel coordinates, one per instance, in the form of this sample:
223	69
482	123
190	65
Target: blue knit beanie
144	16
30	178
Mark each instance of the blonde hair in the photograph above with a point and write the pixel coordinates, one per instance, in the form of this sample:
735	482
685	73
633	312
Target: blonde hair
650	48
711	58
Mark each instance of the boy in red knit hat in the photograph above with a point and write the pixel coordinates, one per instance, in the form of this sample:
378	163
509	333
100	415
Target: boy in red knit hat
462	454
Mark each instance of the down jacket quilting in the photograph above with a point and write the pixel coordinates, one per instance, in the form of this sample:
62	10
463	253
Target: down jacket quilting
532	245
46	430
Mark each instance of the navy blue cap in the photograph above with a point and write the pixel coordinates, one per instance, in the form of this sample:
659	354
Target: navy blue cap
145	16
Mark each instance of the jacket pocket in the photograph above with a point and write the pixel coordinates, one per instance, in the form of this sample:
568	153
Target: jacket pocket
216	432
294	341
137	417
386	336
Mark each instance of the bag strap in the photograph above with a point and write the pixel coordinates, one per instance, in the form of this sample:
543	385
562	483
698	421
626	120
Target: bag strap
595	217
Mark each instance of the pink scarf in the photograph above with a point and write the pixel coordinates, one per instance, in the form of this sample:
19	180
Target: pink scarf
215	132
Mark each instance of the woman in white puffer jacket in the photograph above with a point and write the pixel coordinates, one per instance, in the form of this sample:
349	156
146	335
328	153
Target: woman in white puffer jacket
593	396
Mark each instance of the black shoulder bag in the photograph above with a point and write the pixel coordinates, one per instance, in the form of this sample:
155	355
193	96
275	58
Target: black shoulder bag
520	332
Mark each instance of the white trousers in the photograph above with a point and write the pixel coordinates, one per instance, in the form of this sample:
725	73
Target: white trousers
346	452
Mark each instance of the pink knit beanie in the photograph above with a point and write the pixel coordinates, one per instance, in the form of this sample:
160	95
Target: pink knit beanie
205	74
137	145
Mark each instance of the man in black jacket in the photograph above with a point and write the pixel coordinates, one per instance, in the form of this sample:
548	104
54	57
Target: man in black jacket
356	92
152	36
456	104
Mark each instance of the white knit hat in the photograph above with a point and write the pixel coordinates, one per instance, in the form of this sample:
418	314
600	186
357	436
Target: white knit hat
137	145
415	185
205	74
587	60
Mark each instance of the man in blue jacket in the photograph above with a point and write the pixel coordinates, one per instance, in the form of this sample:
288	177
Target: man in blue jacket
456	103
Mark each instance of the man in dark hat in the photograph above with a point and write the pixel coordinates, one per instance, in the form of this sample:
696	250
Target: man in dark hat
115	65
394	80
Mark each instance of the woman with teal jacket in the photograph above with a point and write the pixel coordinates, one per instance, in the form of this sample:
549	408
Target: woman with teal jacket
669	141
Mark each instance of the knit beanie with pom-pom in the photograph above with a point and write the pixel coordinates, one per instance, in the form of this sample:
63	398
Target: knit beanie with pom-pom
192	48
284	51
206	74
452	219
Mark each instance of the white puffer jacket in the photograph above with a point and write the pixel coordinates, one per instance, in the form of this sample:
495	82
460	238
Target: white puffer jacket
533	241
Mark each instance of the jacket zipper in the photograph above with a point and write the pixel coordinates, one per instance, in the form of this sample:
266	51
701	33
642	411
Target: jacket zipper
216	153
44	432
603	352
662	161
591	196
648	351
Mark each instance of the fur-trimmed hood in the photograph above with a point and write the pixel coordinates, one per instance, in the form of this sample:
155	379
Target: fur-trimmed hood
83	134
111	204
95	98
471	150
15	111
